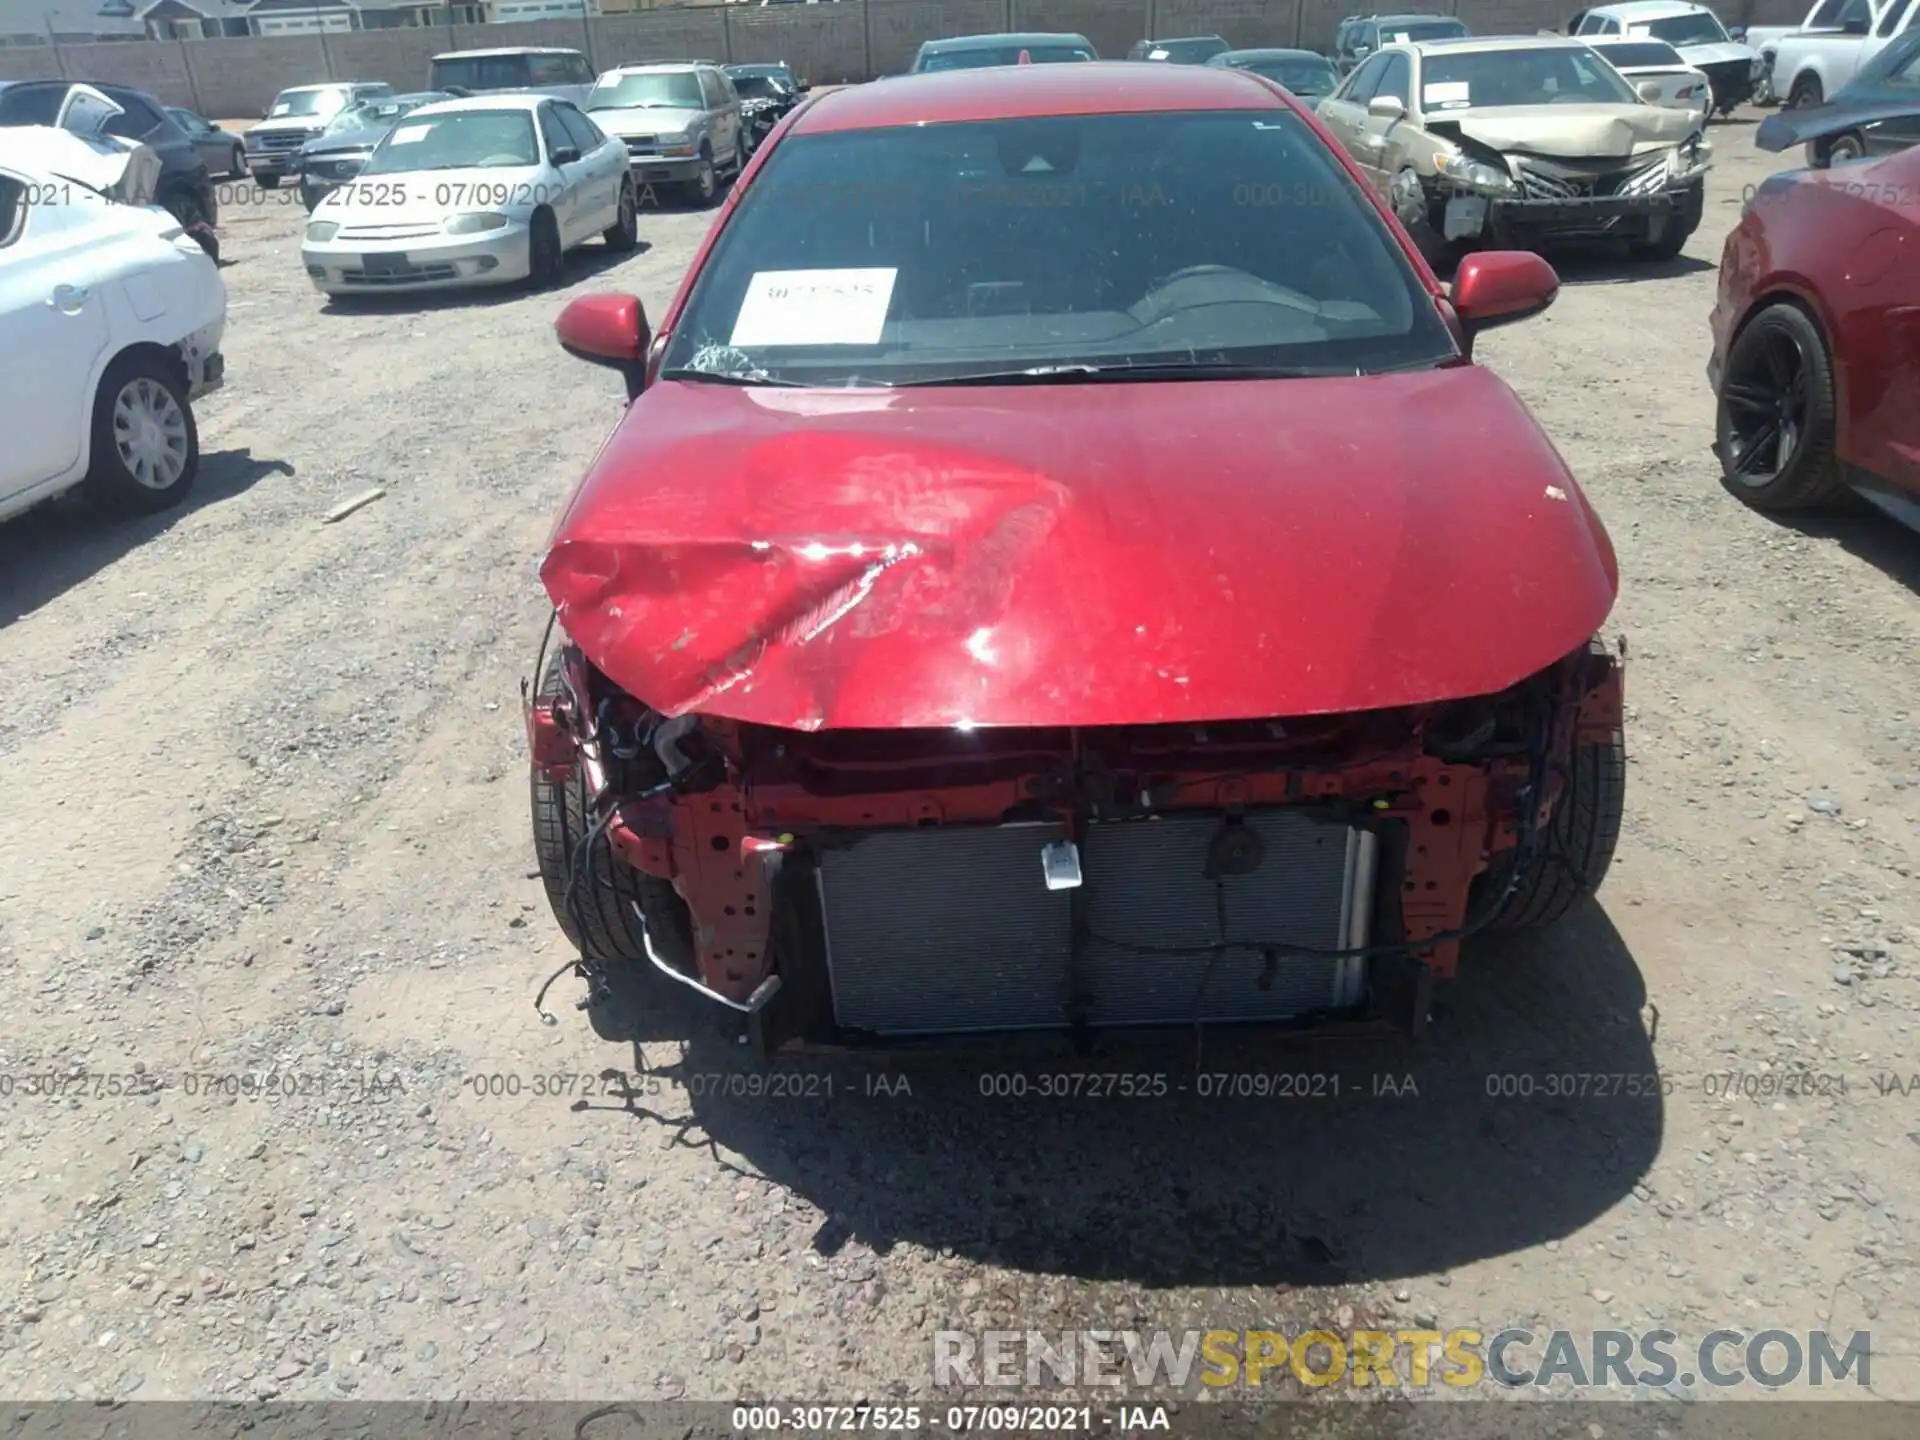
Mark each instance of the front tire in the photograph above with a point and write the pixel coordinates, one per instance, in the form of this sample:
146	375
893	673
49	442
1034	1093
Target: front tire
600	922
1576	850
1774	419
1806	91
705	183
268	182
1408	198
1842	150
146	447
624	233
545	258
1681	224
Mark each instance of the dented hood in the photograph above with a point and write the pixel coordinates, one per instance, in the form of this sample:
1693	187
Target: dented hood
1077	555
1574	131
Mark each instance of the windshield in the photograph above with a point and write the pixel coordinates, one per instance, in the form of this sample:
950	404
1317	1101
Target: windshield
1488	79
464	140
758	87
1004	55
1198	243
1302	77
307	102
660	89
1640	55
1187	52
1700	28
367	115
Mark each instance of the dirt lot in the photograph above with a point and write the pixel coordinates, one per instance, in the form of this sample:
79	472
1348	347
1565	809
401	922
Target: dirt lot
265	811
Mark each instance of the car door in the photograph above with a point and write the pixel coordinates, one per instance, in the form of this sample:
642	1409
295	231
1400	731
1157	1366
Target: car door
1345	111
571	211
722	105
1375	143
604	166
53	328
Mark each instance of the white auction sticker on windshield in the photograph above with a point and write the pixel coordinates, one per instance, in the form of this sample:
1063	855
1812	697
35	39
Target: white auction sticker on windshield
1399	37
408	134
1449	92
1156	55
814	307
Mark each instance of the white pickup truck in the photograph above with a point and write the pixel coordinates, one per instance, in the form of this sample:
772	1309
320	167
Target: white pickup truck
1826	17
1808	68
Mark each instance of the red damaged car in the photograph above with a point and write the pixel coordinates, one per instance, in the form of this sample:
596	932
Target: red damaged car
1062	570
1816	340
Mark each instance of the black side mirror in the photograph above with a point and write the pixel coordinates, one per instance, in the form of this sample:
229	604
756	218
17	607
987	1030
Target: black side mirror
565	155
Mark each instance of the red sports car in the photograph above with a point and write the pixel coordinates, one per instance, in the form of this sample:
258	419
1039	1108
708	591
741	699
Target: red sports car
1816	340
1061	569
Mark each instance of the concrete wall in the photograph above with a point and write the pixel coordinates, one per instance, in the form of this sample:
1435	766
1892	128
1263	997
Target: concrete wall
829	44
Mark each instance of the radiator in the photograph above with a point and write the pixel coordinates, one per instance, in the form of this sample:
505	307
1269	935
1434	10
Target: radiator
952	930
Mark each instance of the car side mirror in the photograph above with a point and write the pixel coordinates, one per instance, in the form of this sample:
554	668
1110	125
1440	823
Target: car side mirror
1737	33
608	329
1386	107
565	155
1498	287
1649	91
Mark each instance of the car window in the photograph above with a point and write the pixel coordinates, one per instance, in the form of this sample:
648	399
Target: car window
1367	35
548	70
480	73
317	104
1117	239
137	119
1360	84
31	104
579	72
1890	22
1702	27
1551	75
585	135
553	132
1396	79
1903	66
1639	54
710	98
189	122
1302	77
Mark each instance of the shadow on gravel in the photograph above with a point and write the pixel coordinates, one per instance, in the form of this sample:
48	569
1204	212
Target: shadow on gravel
1401	1159
1870	534
587	263
67	541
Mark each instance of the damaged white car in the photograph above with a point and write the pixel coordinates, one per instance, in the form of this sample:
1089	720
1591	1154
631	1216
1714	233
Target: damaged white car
1518	142
111	317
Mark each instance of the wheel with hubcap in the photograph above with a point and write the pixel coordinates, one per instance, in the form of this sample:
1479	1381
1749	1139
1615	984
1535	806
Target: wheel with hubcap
624	233
1845	149
146	448
544	255
1408	199
701	188
1773	430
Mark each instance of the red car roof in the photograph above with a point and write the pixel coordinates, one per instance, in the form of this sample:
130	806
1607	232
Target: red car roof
1025	91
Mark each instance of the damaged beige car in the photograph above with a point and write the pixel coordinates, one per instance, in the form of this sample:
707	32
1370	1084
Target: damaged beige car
1518	142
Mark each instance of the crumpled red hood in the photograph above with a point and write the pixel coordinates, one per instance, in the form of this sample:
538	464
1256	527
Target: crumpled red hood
1077	554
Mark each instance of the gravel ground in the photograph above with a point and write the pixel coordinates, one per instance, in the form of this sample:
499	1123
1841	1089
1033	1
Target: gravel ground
266	814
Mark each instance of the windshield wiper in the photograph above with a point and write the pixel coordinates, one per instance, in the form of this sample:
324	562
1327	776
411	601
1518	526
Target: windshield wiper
722	377
1073	374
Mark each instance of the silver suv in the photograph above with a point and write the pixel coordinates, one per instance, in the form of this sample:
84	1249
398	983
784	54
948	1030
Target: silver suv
297	115
680	122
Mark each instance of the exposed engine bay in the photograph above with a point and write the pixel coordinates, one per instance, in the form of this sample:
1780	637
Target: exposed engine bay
842	888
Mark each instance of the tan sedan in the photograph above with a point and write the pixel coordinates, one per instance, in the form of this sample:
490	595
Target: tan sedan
1520	141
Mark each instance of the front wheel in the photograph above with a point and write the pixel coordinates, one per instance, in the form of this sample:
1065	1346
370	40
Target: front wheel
1576	850
624	233
1773	429
700	189
237	164
1408	197
268	182
146	448
1806	91
1680	224
544	255
1843	150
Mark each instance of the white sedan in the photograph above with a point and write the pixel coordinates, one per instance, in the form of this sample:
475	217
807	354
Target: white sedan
478	191
110	325
1658	73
